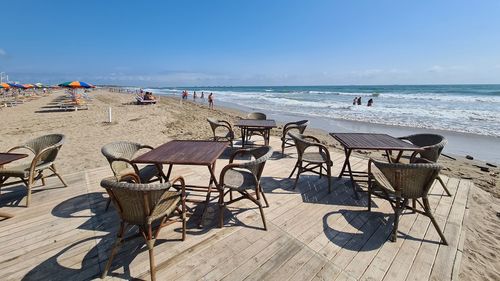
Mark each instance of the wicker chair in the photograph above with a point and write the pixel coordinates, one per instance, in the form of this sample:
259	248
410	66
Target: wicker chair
287	141
143	205
433	145
400	183
254	131
120	154
244	177
45	150
312	159
222	130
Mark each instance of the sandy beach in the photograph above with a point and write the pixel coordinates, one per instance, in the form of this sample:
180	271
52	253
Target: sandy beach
87	131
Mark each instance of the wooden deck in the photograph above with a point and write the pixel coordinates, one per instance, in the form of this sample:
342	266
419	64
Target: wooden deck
312	235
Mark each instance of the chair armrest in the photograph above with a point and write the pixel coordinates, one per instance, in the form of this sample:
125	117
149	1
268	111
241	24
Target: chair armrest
231	166
145	146
226	123
322	148
312	138
21	147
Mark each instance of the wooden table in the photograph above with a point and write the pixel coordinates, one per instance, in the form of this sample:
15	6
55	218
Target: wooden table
246	124
6	158
367	141
187	152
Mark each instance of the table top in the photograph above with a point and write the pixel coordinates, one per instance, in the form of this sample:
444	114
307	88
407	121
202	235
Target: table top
184	152
373	142
268	123
9	157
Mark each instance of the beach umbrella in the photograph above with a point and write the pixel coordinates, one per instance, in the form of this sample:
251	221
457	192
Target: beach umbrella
28	86
14	85
76	84
39	85
4	85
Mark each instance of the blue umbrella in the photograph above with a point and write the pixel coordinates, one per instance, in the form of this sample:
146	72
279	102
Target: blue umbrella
14	85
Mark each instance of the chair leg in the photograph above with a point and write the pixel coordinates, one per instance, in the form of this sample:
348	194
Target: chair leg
433	220
329	178
221	209
297	178
152	267
113	250
264	196
107	204
294	168
262	215
53	168
370	186
444	185
414	205
398	209
28	196
282	148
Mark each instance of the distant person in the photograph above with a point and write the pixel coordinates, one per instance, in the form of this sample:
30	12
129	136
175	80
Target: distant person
370	102
359	101
211	101
202	95
194	95
355	100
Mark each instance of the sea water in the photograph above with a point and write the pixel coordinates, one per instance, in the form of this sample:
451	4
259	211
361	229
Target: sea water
461	108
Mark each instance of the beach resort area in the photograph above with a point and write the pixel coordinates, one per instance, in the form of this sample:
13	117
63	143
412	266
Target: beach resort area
268	140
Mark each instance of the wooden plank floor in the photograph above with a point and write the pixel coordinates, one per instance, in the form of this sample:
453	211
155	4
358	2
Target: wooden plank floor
312	235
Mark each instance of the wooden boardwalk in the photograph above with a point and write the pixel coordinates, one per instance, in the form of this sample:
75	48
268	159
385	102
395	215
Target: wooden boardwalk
312	235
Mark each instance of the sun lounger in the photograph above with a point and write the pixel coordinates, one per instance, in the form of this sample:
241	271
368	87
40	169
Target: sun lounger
142	101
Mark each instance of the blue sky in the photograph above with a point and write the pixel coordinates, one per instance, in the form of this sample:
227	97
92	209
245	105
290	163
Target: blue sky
231	42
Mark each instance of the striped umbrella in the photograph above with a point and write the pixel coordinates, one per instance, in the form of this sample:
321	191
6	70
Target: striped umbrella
76	84
14	85
4	85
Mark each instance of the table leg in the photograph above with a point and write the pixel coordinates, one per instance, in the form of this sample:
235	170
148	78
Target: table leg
243	132
346	161
169	172
347	164
213	180
266	136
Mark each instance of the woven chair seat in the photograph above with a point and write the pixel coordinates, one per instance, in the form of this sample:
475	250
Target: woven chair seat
23	170
315	157
239	179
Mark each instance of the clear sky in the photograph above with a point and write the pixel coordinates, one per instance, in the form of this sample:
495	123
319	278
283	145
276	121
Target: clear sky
258	42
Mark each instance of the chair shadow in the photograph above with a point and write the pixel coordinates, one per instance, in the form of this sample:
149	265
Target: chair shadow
365	224
99	220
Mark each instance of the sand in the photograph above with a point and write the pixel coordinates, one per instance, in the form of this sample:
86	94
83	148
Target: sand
88	130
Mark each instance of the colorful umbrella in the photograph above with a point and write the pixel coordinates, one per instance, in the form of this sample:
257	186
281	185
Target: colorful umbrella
76	84
14	85
4	85
39	85
28	86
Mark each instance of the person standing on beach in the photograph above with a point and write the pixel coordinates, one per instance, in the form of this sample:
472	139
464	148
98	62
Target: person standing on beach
211	101
370	102
359	101
194	96
354	101
202	95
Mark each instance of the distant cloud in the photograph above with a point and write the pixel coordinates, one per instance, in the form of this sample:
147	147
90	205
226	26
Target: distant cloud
2	53
442	69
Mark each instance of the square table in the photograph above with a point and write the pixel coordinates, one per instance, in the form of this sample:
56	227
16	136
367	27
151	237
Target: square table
187	152
265	125
6	158
368	141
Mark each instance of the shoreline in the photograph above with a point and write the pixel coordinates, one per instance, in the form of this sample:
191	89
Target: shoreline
482	148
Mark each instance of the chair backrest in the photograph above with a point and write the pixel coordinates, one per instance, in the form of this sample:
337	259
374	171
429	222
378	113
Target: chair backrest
300	143
48	145
260	155
412	180
433	144
298	126
256	116
116	151
136	202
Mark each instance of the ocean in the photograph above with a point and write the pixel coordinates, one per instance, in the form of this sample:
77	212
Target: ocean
471	109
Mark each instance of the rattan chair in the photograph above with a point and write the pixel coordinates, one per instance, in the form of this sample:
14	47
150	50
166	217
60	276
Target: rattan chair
287	141
144	205
433	145
120	154
244	178
308	159
222	130
256	131
45	150
400	183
